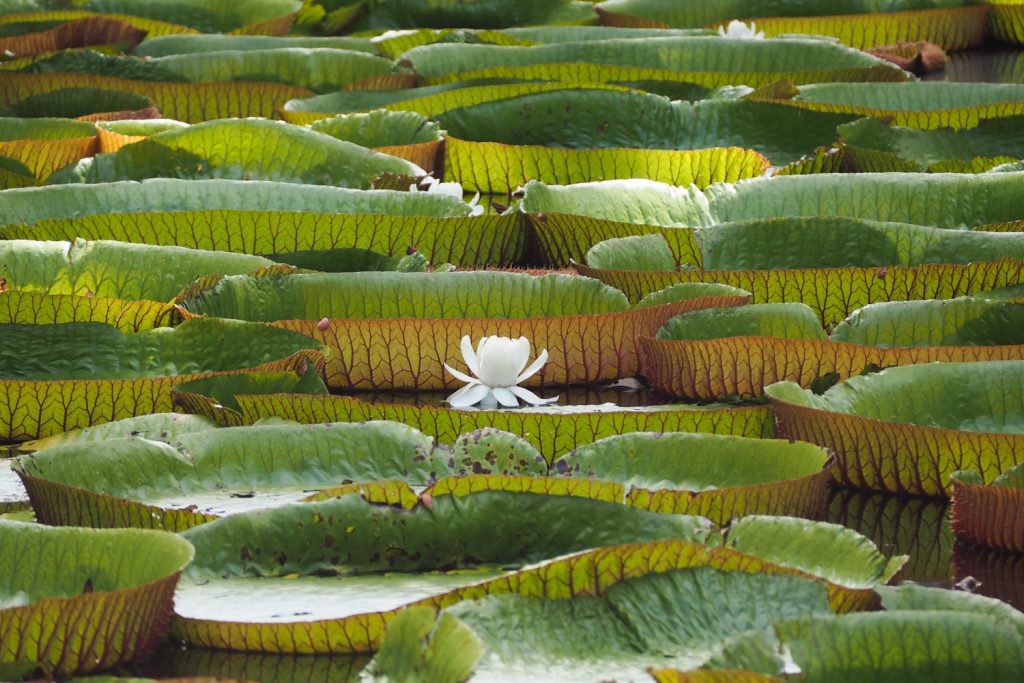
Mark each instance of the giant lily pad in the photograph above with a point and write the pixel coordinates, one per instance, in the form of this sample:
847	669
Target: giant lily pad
593	118
320	69
832	283
935	199
552	430
990	513
39	308
486	14
260	217
707	60
885	442
378	558
396	332
718	477
187	44
926	645
26	207
765	244
104	596
45	145
870	145
860	24
245	16
738	351
113	269
190	102
96	30
922	104
61	377
138	482
243	149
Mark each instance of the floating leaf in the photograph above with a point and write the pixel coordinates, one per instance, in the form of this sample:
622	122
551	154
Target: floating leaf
38	308
738	351
84	32
937	200
920	104
587	118
241	556
62	377
320	69
208	474
871	145
190	102
554	431
182	44
859	24
428	101
45	145
496	168
884	442
989	513
108	605
927	645
711	62
113	269
386	332
244	149
172	195
717	477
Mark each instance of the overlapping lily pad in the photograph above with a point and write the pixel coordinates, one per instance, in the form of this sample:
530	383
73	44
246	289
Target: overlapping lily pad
190	102
108	606
552	430
305	539
708	61
137	482
989	513
113	269
774	261
243	149
870	145
397	332
45	145
951	25
923	104
61	377
712	354
345	541
40	308
903	431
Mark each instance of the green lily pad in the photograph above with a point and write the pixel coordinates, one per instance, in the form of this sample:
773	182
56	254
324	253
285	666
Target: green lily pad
885	442
104	595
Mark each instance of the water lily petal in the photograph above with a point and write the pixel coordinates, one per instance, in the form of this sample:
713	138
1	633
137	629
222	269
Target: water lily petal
499	362
533	369
461	376
505	397
522	349
469	356
467	396
530	397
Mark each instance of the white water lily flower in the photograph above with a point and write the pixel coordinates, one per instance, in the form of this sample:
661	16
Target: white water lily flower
738	29
499	364
451	189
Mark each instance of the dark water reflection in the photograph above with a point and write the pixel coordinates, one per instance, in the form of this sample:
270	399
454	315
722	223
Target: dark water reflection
571	396
174	661
994	65
920	528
